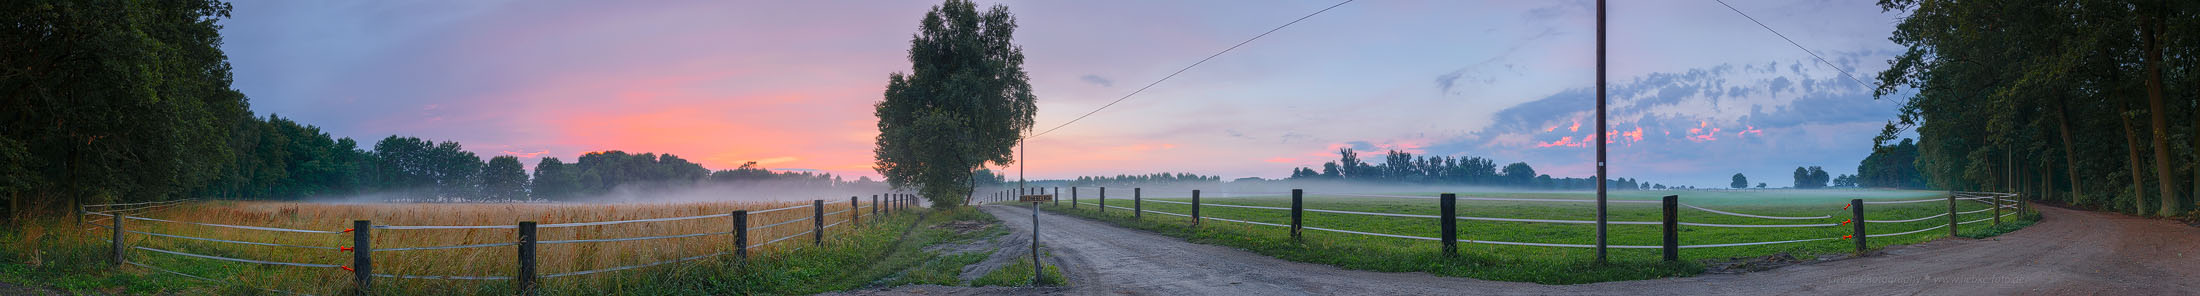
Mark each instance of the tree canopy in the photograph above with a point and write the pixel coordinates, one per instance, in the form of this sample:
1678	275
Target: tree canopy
964	104
2006	91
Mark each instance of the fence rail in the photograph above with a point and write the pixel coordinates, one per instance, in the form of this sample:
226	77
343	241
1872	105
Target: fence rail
849	212
1998	201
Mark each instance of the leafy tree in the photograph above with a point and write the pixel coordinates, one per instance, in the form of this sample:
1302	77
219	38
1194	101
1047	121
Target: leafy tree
554	180
503	179
965	103
1810	177
2003	93
112	101
1739	181
1520	173
603	171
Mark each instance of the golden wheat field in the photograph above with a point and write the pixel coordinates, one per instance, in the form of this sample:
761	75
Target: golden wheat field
488	262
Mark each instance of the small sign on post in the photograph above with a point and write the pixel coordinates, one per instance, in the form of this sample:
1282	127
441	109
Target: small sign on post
1037	268
1037	198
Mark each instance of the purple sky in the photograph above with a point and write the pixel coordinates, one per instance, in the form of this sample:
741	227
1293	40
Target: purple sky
790	84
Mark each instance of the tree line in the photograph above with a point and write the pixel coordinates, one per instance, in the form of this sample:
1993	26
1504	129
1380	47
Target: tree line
128	101
2092	103
1406	168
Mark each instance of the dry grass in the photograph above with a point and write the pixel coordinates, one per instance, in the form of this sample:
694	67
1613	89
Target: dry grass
489	261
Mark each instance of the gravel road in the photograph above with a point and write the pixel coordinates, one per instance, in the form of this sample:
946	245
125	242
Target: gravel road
2069	253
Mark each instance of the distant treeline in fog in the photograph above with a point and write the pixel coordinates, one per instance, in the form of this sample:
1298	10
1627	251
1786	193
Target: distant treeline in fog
281	159
1406	168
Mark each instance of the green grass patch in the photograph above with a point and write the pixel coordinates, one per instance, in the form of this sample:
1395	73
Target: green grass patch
941	270
1548	265
1018	275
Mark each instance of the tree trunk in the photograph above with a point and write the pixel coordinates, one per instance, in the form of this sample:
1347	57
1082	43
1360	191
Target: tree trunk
2138	169
2070	153
2149	31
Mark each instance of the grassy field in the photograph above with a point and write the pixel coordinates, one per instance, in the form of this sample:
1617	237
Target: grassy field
1550	265
57	253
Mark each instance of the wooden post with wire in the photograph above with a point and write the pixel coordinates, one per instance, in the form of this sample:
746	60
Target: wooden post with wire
741	234
1672	206
817	207
1997	209
1856	215
1297	206
117	241
1951	215
1448	215
1195	207
1138	210
526	276
362	255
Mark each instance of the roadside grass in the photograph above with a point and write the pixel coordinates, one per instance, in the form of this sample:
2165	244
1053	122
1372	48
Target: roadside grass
941	270
1547	265
50	253
1018	275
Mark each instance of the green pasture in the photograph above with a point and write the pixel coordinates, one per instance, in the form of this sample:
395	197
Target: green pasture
1541	264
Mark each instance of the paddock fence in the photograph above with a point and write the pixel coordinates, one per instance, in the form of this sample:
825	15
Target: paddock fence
2001	204
526	277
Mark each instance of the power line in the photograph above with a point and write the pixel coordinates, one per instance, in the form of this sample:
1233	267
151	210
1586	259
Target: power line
1844	72
1181	71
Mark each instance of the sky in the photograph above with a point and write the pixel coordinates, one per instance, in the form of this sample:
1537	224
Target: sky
1697	92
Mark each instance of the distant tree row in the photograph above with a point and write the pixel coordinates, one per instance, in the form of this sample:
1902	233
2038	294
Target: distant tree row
281	159
1403	167
1132	180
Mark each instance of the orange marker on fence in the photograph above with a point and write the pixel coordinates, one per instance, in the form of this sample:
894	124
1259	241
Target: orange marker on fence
1849	236
347	230
346	249
348	268
1846	222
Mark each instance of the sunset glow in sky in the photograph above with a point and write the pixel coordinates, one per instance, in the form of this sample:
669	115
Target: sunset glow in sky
1698	92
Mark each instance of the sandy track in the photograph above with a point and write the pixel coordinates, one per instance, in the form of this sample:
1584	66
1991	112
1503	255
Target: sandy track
2070	253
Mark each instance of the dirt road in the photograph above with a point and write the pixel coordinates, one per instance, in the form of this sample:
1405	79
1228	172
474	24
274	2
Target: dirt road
2069	253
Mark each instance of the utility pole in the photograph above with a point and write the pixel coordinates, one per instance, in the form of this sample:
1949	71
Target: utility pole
1601	177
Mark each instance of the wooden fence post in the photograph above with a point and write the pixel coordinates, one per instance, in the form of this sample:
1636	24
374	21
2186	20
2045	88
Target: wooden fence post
2024	206
1195	207
1446	210
362	256
1997	209
854	216
817	206
1672	228
1951	215
117	243
1298	205
1138	210
1073	197
527	239
874	206
741	234
1856	214
1103	200
1057	199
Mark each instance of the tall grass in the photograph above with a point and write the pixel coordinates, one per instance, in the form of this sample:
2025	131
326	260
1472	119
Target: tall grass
54	251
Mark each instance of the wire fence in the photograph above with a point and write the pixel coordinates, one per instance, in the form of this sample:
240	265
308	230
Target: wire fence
850	211
1997	203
